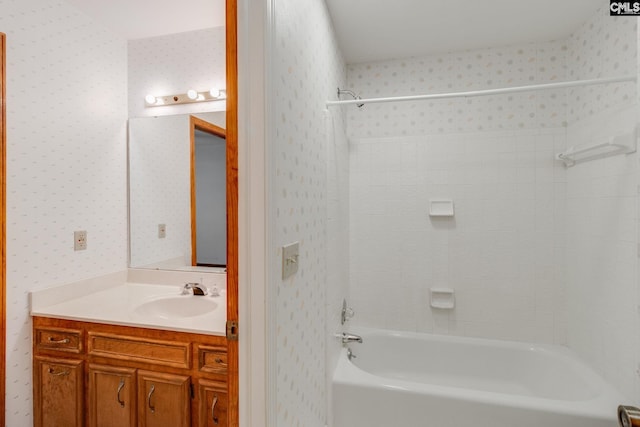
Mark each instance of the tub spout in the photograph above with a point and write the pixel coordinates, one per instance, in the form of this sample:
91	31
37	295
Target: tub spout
347	338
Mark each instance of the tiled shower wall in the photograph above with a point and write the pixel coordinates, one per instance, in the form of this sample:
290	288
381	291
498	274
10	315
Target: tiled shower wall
307	69
602	206
494	156
337	236
499	251
66	157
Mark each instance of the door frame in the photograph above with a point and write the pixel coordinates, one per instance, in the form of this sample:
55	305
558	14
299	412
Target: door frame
232	208
3	220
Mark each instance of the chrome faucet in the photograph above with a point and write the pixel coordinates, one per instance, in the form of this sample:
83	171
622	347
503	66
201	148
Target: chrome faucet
198	289
347	338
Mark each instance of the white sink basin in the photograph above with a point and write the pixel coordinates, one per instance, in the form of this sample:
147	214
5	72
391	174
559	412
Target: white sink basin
177	306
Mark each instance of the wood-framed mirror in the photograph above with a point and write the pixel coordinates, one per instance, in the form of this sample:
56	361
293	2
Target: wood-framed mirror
177	192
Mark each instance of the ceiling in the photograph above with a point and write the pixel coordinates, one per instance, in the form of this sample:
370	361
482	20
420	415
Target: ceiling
135	19
373	30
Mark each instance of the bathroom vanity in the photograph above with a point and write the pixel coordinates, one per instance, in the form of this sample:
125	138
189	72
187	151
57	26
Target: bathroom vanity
95	366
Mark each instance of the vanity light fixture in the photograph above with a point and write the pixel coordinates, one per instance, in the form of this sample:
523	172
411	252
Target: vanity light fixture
191	96
150	99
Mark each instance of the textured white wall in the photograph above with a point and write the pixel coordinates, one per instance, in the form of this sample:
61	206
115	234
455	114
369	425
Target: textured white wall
66	156
173	64
307	68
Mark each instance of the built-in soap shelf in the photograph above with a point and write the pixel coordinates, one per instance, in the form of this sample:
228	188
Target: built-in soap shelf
441	207
443	298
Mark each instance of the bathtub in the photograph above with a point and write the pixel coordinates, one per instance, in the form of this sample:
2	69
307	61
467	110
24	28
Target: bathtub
405	379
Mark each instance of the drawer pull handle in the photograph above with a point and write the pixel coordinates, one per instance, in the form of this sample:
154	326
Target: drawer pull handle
58	374
151	407
52	340
120	386
213	409
219	360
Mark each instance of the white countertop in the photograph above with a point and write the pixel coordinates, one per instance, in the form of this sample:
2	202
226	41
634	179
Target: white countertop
113	300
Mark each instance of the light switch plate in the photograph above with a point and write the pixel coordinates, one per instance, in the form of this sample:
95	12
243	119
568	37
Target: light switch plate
162	231
290	260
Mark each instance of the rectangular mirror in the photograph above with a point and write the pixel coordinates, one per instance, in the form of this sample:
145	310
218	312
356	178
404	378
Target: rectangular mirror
177	199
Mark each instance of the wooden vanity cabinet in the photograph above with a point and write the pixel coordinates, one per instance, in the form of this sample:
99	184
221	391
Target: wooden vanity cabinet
115	376
58	392
112	396
213	403
164	400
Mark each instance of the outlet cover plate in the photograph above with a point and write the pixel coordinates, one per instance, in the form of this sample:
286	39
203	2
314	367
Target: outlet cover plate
290	260
80	240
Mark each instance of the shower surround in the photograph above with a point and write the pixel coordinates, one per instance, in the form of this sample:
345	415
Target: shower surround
536	252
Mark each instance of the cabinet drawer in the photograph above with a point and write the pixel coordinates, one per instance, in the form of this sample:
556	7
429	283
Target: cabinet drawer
58	339
212	359
155	352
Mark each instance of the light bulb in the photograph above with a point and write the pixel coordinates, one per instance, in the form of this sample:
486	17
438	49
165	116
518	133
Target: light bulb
192	94
214	92
150	99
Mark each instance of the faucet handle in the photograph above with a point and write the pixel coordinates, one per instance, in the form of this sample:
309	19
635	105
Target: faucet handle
198	289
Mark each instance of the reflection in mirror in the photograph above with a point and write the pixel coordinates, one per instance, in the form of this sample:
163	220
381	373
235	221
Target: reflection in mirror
161	235
208	194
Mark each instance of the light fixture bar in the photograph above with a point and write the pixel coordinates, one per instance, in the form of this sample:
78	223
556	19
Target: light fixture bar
183	98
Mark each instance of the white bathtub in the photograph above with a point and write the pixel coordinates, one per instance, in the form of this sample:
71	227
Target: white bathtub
404	379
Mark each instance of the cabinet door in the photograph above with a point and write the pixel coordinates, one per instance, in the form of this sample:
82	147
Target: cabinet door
58	392
212	403
112	396
163	400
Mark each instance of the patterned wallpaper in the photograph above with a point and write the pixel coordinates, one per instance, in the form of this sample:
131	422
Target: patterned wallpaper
173	64
604	46
66	155
457	72
307	68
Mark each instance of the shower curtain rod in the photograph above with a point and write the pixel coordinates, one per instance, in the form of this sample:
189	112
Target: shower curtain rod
515	89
